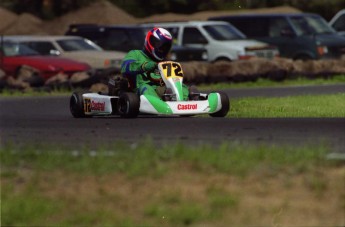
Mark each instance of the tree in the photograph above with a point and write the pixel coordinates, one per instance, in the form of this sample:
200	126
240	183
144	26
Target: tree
25	6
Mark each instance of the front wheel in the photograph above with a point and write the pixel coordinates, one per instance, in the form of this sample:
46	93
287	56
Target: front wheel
128	105
76	105
224	99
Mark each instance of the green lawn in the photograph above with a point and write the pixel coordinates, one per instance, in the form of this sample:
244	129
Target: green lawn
175	185
293	106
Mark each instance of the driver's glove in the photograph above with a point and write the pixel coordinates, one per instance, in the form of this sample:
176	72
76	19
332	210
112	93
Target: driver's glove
149	66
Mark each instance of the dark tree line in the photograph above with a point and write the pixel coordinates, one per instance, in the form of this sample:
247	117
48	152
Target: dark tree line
45	9
49	9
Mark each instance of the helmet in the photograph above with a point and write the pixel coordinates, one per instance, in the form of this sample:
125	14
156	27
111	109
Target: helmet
158	43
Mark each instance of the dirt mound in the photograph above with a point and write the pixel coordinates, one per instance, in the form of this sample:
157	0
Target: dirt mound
206	14
25	24
7	18
103	12
100	12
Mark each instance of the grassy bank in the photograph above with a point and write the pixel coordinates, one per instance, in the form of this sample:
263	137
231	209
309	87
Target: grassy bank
175	185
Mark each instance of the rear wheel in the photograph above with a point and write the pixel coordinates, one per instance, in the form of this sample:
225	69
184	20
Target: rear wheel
76	105
224	99
128	105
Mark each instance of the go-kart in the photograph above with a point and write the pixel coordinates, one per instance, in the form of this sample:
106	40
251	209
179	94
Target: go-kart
128	104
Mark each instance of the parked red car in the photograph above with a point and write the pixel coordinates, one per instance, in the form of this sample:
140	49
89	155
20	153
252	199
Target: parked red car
15	55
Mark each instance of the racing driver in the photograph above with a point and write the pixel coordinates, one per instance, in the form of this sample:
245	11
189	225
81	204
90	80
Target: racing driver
139	66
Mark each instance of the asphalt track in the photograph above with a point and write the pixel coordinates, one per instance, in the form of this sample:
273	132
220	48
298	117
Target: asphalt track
39	120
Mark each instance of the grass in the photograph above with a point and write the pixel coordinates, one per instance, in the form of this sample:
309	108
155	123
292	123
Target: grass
262	82
145	159
293	106
175	185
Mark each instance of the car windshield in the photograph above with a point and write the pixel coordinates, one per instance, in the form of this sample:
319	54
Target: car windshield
78	45
223	32
307	25
11	49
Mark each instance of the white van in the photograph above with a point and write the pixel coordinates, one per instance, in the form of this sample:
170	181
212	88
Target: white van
221	40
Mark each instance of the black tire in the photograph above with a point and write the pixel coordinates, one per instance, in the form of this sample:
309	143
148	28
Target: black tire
128	105
224	99
76	105
225	59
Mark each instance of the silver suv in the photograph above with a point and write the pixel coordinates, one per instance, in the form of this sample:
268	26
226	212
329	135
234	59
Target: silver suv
221	40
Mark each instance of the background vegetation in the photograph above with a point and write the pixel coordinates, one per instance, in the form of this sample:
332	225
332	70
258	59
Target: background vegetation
49	9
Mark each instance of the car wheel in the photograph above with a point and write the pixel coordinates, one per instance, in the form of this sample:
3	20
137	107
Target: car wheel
222	59
76	105
224	99
128	105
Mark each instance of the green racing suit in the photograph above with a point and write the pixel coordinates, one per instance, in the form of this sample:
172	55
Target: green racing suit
132	69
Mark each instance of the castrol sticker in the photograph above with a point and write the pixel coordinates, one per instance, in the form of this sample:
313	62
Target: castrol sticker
187	106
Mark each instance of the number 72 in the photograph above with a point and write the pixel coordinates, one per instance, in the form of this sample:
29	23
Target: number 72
172	69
